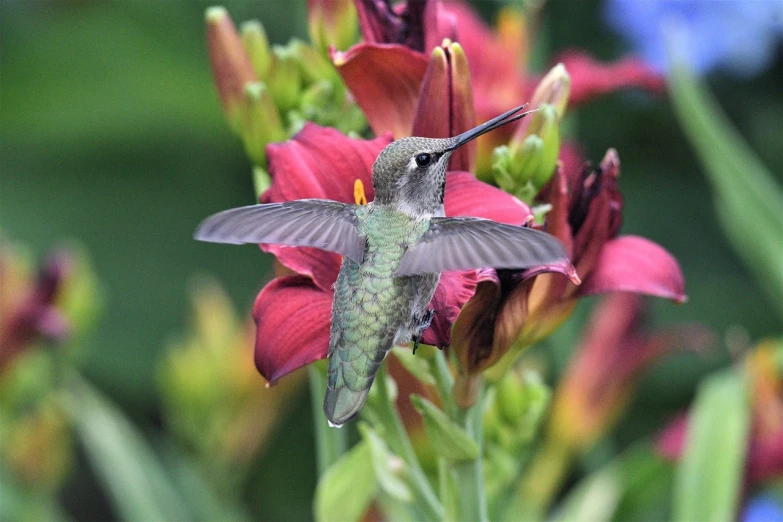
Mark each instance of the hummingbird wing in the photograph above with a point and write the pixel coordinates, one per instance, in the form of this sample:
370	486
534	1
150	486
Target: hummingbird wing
463	243
320	223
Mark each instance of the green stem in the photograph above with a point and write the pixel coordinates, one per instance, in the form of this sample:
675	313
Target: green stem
444	381
331	443
470	475
541	482
400	444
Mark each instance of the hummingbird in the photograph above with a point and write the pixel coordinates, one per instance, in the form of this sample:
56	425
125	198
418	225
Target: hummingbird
394	250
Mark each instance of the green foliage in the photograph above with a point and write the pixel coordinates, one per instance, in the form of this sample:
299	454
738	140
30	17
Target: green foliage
748	199
347	488
709	476
127	466
448	439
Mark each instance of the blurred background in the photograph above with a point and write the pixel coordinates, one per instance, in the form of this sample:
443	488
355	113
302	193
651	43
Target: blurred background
113	144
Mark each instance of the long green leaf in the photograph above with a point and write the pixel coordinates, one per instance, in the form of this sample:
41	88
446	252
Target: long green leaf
709	476
748	200
346	489
122	459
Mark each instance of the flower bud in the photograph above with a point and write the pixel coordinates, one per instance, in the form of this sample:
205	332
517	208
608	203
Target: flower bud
285	79
313	66
516	410
261	123
553	89
332	23
257	47
529	161
231	67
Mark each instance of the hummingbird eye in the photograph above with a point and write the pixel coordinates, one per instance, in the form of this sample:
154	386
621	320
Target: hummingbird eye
423	159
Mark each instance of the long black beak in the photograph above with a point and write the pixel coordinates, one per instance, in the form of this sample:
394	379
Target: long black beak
494	123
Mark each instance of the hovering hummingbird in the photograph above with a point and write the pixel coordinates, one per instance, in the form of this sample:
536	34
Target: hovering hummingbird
394	250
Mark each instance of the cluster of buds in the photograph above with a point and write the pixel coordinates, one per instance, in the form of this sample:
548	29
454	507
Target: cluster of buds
515	409
212	396
269	91
528	162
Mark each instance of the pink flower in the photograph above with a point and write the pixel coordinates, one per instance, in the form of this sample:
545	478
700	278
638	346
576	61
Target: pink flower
385	73
517	308
608	362
30	313
292	312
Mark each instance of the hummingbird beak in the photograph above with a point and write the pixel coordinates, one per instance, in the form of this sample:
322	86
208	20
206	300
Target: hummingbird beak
494	123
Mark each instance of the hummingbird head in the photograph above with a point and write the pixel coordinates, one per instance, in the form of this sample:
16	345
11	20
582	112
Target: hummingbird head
410	173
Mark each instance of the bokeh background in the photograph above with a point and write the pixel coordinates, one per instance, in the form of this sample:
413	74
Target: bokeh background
112	139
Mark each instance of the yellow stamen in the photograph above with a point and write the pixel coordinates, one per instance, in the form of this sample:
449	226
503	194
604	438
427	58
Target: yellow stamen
358	192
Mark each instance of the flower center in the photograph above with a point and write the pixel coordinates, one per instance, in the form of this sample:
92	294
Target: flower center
358	193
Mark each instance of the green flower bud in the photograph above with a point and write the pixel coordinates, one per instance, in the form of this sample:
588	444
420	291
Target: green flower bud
332	23
529	161
553	89
261	123
447	438
313	65
285	79
257	46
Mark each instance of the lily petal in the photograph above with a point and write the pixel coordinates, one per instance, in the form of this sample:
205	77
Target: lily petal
454	290
590	78
439	116
385	80
321	162
318	162
474	329
293	317
635	264
467	196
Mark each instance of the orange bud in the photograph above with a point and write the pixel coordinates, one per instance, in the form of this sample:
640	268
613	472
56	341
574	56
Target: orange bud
231	67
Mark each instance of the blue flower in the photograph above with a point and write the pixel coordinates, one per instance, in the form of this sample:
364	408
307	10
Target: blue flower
763	508
736	36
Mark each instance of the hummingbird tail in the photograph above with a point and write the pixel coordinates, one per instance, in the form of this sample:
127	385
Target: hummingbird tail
342	404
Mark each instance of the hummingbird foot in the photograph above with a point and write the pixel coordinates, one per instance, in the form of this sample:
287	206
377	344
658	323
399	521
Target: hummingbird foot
422	322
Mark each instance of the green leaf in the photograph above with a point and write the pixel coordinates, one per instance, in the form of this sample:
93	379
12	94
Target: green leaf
202	500
630	487
388	467
748	200
345	491
448	439
417	365
122	459
709	476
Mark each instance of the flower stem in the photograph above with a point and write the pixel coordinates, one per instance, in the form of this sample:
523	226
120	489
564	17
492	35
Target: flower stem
541	482
398	441
470	475
330	443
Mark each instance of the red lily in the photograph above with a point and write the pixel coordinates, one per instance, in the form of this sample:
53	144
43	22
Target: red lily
30	311
386	72
517	308
606	366
293	311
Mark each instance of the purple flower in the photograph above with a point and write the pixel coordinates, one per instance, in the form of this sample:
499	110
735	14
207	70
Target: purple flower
739	37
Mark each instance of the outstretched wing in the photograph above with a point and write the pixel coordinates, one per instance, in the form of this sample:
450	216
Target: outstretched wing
464	243
319	223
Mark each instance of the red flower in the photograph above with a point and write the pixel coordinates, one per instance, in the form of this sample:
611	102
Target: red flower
293	311
606	366
518	308
30	311
386	72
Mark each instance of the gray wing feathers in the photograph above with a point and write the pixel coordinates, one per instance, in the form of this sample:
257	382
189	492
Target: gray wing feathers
465	243
319	223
